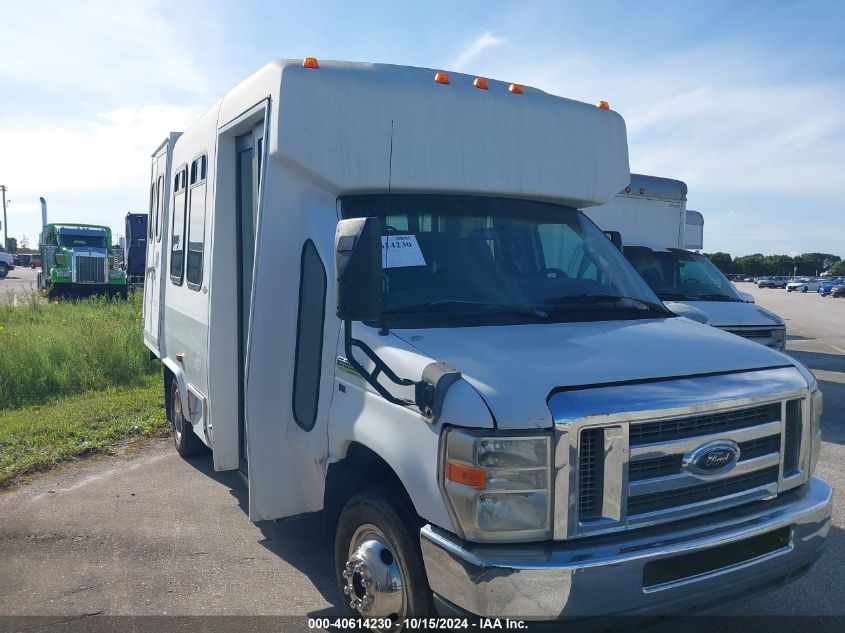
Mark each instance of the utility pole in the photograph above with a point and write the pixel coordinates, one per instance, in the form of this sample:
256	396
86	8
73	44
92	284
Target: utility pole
5	227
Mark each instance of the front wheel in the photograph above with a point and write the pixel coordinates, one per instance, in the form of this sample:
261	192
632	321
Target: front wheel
378	561
804	289
4	269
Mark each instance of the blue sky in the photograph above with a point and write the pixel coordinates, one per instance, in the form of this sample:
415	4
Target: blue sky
745	102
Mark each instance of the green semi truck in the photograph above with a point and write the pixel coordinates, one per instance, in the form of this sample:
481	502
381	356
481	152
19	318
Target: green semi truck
77	261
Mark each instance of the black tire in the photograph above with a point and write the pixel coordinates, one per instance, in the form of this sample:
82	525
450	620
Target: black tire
4	269
804	289
187	442
398	524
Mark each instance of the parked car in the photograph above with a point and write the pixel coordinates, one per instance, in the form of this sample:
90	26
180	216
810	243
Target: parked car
804	284
22	259
7	263
773	282
838	291
828	284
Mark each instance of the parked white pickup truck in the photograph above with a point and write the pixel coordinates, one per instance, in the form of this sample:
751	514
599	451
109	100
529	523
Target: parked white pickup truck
658	232
372	293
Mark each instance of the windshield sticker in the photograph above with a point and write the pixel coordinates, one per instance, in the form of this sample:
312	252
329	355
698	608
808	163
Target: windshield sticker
400	250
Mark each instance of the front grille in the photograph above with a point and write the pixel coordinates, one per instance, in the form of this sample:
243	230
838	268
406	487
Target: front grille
792	441
590	473
703	492
665	430
657	467
655	485
89	270
753	333
671	464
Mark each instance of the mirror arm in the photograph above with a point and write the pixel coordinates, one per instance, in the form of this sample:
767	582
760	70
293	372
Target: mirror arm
381	367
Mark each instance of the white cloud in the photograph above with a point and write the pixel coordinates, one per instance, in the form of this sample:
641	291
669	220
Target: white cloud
69	161
744	135
479	45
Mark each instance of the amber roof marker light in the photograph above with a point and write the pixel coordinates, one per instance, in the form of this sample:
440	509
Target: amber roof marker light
441	77
310	62
604	105
480	83
516	89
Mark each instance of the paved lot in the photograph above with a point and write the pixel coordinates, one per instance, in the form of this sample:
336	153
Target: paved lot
18	285
150	533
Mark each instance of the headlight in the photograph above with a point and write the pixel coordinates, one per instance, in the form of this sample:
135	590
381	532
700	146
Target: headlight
816	408
498	487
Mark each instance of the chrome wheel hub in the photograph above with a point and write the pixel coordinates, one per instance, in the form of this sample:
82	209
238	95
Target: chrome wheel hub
374	584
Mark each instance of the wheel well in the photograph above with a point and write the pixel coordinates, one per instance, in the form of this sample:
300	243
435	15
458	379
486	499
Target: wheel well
362	468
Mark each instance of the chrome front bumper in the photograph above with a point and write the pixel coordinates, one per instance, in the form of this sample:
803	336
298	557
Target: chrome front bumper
608	575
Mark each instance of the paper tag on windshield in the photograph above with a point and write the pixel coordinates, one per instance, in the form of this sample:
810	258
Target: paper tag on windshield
400	250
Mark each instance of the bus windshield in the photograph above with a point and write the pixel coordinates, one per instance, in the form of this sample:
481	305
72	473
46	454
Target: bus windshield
679	275
464	261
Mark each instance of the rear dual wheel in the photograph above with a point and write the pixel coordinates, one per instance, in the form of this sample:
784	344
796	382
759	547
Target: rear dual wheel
187	442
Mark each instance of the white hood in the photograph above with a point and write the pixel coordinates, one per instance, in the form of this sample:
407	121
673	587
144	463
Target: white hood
514	368
731	313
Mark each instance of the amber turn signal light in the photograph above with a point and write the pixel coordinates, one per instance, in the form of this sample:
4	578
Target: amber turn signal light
466	475
310	62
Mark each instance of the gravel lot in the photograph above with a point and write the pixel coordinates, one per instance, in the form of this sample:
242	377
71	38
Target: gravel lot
147	533
18	284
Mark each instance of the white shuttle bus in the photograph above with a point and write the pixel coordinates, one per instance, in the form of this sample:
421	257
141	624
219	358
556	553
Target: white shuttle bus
658	232
372	293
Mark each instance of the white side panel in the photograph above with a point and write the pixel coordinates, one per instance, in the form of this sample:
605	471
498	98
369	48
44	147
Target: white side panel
643	221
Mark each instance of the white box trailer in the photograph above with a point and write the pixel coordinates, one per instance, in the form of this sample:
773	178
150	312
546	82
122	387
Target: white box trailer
657	231
373	294
694	230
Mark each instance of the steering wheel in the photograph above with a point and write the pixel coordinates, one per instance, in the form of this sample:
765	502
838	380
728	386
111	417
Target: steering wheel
692	282
557	272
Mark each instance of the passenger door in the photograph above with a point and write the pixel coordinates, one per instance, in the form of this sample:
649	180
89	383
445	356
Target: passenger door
249	150
155	253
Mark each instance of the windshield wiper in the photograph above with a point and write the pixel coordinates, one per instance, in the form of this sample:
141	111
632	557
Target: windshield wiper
447	303
717	297
608	298
674	296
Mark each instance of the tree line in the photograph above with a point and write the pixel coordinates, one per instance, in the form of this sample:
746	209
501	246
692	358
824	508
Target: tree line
758	264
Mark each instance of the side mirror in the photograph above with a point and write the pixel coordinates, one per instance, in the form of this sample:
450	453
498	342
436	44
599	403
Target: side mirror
746	296
357	256
616	238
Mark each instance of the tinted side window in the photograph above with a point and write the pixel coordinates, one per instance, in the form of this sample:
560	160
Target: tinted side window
177	234
309	337
196	223
159	206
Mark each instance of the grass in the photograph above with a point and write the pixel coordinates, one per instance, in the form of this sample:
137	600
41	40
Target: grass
59	349
75	377
37	437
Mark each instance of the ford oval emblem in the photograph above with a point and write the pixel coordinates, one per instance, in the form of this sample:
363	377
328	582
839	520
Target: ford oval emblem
713	458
